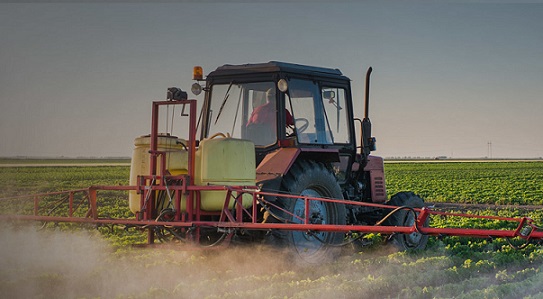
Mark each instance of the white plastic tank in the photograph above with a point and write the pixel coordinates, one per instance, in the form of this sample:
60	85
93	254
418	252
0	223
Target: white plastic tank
176	162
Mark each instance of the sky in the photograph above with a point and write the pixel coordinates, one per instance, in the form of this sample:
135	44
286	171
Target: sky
449	79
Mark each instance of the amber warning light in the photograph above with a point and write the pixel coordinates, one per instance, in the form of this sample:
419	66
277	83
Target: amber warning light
197	73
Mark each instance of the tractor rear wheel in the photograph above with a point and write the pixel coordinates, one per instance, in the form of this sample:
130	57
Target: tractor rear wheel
406	217
309	178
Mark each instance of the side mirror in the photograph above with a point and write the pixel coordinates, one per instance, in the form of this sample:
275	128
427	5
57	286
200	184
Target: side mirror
371	144
329	95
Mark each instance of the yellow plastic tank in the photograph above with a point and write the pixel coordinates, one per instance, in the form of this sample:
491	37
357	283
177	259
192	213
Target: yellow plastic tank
224	161
176	162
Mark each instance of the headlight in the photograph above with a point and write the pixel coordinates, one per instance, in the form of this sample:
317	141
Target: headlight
282	85
196	89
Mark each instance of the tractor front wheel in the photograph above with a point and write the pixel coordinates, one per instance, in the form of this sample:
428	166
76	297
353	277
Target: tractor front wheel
313	179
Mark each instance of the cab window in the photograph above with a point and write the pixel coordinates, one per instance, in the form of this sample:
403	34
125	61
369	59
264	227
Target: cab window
320	114
336	113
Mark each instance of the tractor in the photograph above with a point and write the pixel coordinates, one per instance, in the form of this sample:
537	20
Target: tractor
301	124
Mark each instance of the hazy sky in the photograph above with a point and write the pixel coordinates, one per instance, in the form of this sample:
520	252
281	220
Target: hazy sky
78	79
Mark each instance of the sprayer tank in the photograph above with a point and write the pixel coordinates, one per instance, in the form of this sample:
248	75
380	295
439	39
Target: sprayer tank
218	161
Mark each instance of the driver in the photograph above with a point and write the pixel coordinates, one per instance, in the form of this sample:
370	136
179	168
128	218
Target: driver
265	114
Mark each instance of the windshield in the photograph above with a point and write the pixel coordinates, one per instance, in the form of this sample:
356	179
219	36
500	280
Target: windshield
314	113
246	111
319	112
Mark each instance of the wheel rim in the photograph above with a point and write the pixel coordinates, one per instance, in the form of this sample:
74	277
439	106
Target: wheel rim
307	244
412	240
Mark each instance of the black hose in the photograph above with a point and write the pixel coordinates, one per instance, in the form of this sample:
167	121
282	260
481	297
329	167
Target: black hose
528	242
410	209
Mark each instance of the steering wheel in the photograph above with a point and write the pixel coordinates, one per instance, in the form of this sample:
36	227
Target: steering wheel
303	126
221	135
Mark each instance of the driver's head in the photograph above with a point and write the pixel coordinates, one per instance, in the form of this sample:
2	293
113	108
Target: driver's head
270	95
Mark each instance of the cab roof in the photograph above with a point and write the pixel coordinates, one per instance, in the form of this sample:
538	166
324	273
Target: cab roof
276	66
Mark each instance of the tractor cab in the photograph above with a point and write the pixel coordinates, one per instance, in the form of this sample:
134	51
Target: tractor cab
283	106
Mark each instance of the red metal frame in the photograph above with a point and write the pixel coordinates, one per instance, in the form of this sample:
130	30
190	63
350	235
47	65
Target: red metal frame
525	229
244	218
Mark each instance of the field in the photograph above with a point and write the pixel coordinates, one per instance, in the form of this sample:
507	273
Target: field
81	262
515	183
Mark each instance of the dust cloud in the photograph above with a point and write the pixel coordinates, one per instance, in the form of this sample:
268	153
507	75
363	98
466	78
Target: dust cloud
49	263
38	263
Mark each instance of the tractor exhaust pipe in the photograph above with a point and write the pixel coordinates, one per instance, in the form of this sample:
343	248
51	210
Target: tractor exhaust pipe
367	97
368	142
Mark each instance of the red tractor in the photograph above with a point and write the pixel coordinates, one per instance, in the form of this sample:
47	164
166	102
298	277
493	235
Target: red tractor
301	121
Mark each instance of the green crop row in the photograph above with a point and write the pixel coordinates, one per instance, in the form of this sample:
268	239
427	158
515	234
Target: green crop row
465	182
469	182
30	180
